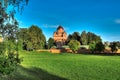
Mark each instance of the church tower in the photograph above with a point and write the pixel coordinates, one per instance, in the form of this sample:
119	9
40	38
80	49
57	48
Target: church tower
60	37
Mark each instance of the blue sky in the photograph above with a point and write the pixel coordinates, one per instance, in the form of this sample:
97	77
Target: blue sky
101	17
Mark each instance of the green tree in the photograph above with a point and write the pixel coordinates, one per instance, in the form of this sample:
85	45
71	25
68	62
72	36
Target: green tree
9	59
93	37
99	47
76	36
37	37
10	31
50	42
92	46
89	38
74	45
113	47
23	34
106	44
84	38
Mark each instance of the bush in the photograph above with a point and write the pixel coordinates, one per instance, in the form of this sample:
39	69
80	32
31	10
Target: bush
8	60
74	45
114	47
92	47
100	47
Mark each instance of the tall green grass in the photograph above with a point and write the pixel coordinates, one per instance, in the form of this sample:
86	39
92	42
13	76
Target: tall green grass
47	66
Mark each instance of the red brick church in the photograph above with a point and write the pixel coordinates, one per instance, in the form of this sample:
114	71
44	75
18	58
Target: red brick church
60	37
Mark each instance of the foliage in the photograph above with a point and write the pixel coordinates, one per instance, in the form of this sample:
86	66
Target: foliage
37	37
106	44
93	37
32	38
96	46
50	42
84	38
6	13
113	47
10	31
74	36
23	34
99	47
92	47
74	45
118	44
8	59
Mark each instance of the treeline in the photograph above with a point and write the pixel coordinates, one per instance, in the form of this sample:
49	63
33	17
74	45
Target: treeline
32	38
85	38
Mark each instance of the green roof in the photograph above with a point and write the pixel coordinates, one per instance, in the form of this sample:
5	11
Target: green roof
0	35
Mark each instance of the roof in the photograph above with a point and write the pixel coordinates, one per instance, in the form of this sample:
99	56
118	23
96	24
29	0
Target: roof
0	35
60	27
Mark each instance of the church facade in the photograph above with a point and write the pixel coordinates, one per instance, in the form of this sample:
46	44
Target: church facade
60	37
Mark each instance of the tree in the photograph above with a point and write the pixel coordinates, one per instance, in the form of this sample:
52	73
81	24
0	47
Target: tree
118	44
37	38
89	38
74	45
84	38
10	31
50	43
76	36
69	38
113	47
99	47
106	44
23	34
32	38
9	59
93	37
92	46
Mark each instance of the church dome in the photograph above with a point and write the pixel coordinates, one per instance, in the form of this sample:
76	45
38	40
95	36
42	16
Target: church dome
60	27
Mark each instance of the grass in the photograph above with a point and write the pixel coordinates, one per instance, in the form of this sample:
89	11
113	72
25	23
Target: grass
47	66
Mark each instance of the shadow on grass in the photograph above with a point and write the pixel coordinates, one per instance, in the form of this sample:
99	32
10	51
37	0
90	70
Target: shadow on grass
32	74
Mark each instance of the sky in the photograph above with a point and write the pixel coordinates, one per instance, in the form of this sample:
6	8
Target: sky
101	17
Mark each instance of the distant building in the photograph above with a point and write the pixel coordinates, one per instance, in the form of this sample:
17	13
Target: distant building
60	37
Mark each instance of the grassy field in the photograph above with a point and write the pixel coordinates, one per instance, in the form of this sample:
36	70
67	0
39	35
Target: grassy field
47	66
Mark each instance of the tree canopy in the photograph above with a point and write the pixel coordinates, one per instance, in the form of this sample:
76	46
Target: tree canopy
9	58
33	37
85	38
50	42
74	45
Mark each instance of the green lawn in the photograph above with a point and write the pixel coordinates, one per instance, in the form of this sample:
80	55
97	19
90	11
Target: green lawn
47	66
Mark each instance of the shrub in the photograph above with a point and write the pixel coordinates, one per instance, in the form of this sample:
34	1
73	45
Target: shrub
92	47
100	47
114	47
8	60
74	45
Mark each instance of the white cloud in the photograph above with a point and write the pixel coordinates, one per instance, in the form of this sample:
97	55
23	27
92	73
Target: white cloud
54	26
50	26
117	21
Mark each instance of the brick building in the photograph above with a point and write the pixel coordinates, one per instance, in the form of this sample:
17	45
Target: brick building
60	37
